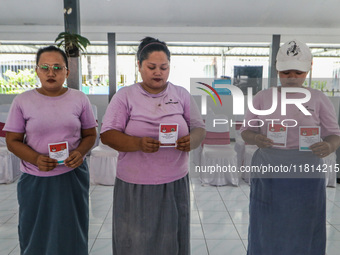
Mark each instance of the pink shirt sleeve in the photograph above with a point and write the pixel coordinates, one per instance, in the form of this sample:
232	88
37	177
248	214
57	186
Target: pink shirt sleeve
16	121
117	114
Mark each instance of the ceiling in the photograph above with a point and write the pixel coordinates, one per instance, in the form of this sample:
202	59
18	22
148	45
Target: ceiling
180	15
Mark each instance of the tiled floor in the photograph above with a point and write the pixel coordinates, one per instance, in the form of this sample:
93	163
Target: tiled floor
219	220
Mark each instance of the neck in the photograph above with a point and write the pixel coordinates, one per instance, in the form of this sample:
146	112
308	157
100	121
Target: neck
52	93
153	91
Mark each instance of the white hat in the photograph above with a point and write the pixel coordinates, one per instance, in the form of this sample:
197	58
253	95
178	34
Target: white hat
294	55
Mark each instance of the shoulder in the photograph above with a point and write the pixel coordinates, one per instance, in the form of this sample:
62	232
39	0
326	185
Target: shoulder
318	96
263	94
77	93
316	92
127	90
25	96
179	90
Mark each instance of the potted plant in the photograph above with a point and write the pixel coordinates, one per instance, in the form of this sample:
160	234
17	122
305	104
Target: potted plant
72	43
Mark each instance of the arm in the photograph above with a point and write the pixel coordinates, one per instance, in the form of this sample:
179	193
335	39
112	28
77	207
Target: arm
88	138
126	143
191	141
254	138
15	144
329	144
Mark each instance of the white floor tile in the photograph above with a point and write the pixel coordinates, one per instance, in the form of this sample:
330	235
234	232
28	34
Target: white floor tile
210	205
196	231
233	205
8	231
105	231
195	218
220	232
242	230
223	247
207	195
215	217
101	247
241	217
198	247
332	233
94	230
219	219
8	245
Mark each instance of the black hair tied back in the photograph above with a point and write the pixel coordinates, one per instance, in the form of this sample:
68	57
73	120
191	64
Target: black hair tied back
149	45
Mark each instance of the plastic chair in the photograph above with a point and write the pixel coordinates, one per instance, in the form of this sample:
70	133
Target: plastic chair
330	162
9	163
103	165
3	117
218	159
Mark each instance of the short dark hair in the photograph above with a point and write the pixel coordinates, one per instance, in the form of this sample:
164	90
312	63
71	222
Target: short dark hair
149	45
50	49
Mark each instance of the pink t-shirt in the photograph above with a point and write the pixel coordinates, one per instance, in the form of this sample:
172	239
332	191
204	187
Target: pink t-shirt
319	106
136	112
46	120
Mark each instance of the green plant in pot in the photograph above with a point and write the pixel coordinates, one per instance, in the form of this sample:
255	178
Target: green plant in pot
72	43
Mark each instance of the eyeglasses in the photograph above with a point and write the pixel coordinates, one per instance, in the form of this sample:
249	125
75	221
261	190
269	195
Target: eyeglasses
46	68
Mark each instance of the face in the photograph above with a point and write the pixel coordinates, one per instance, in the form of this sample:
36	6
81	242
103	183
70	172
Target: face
155	72
292	78
52	80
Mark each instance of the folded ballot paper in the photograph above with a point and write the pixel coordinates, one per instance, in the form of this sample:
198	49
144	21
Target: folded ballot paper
58	151
168	134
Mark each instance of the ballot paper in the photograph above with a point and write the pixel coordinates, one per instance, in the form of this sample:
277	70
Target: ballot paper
58	151
277	133
168	134
308	136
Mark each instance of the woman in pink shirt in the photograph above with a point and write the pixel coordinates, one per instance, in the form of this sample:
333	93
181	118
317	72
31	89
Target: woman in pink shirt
288	208
52	195
151	204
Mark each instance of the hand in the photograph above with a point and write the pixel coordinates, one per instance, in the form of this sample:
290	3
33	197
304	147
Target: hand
46	163
149	145
262	141
321	149
183	144
74	160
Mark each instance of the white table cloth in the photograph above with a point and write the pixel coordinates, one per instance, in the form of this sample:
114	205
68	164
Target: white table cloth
9	166
103	165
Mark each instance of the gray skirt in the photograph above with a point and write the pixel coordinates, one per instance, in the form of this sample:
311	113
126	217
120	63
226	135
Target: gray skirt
287	216
54	213
151	219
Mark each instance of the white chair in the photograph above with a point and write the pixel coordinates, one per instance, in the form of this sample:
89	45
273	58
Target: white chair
9	163
330	162
239	146
9	166
218	155
248	155
95	113
3	117
103	165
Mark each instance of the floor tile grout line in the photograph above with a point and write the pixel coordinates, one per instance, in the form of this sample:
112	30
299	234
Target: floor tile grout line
201	223
233	220
95	239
